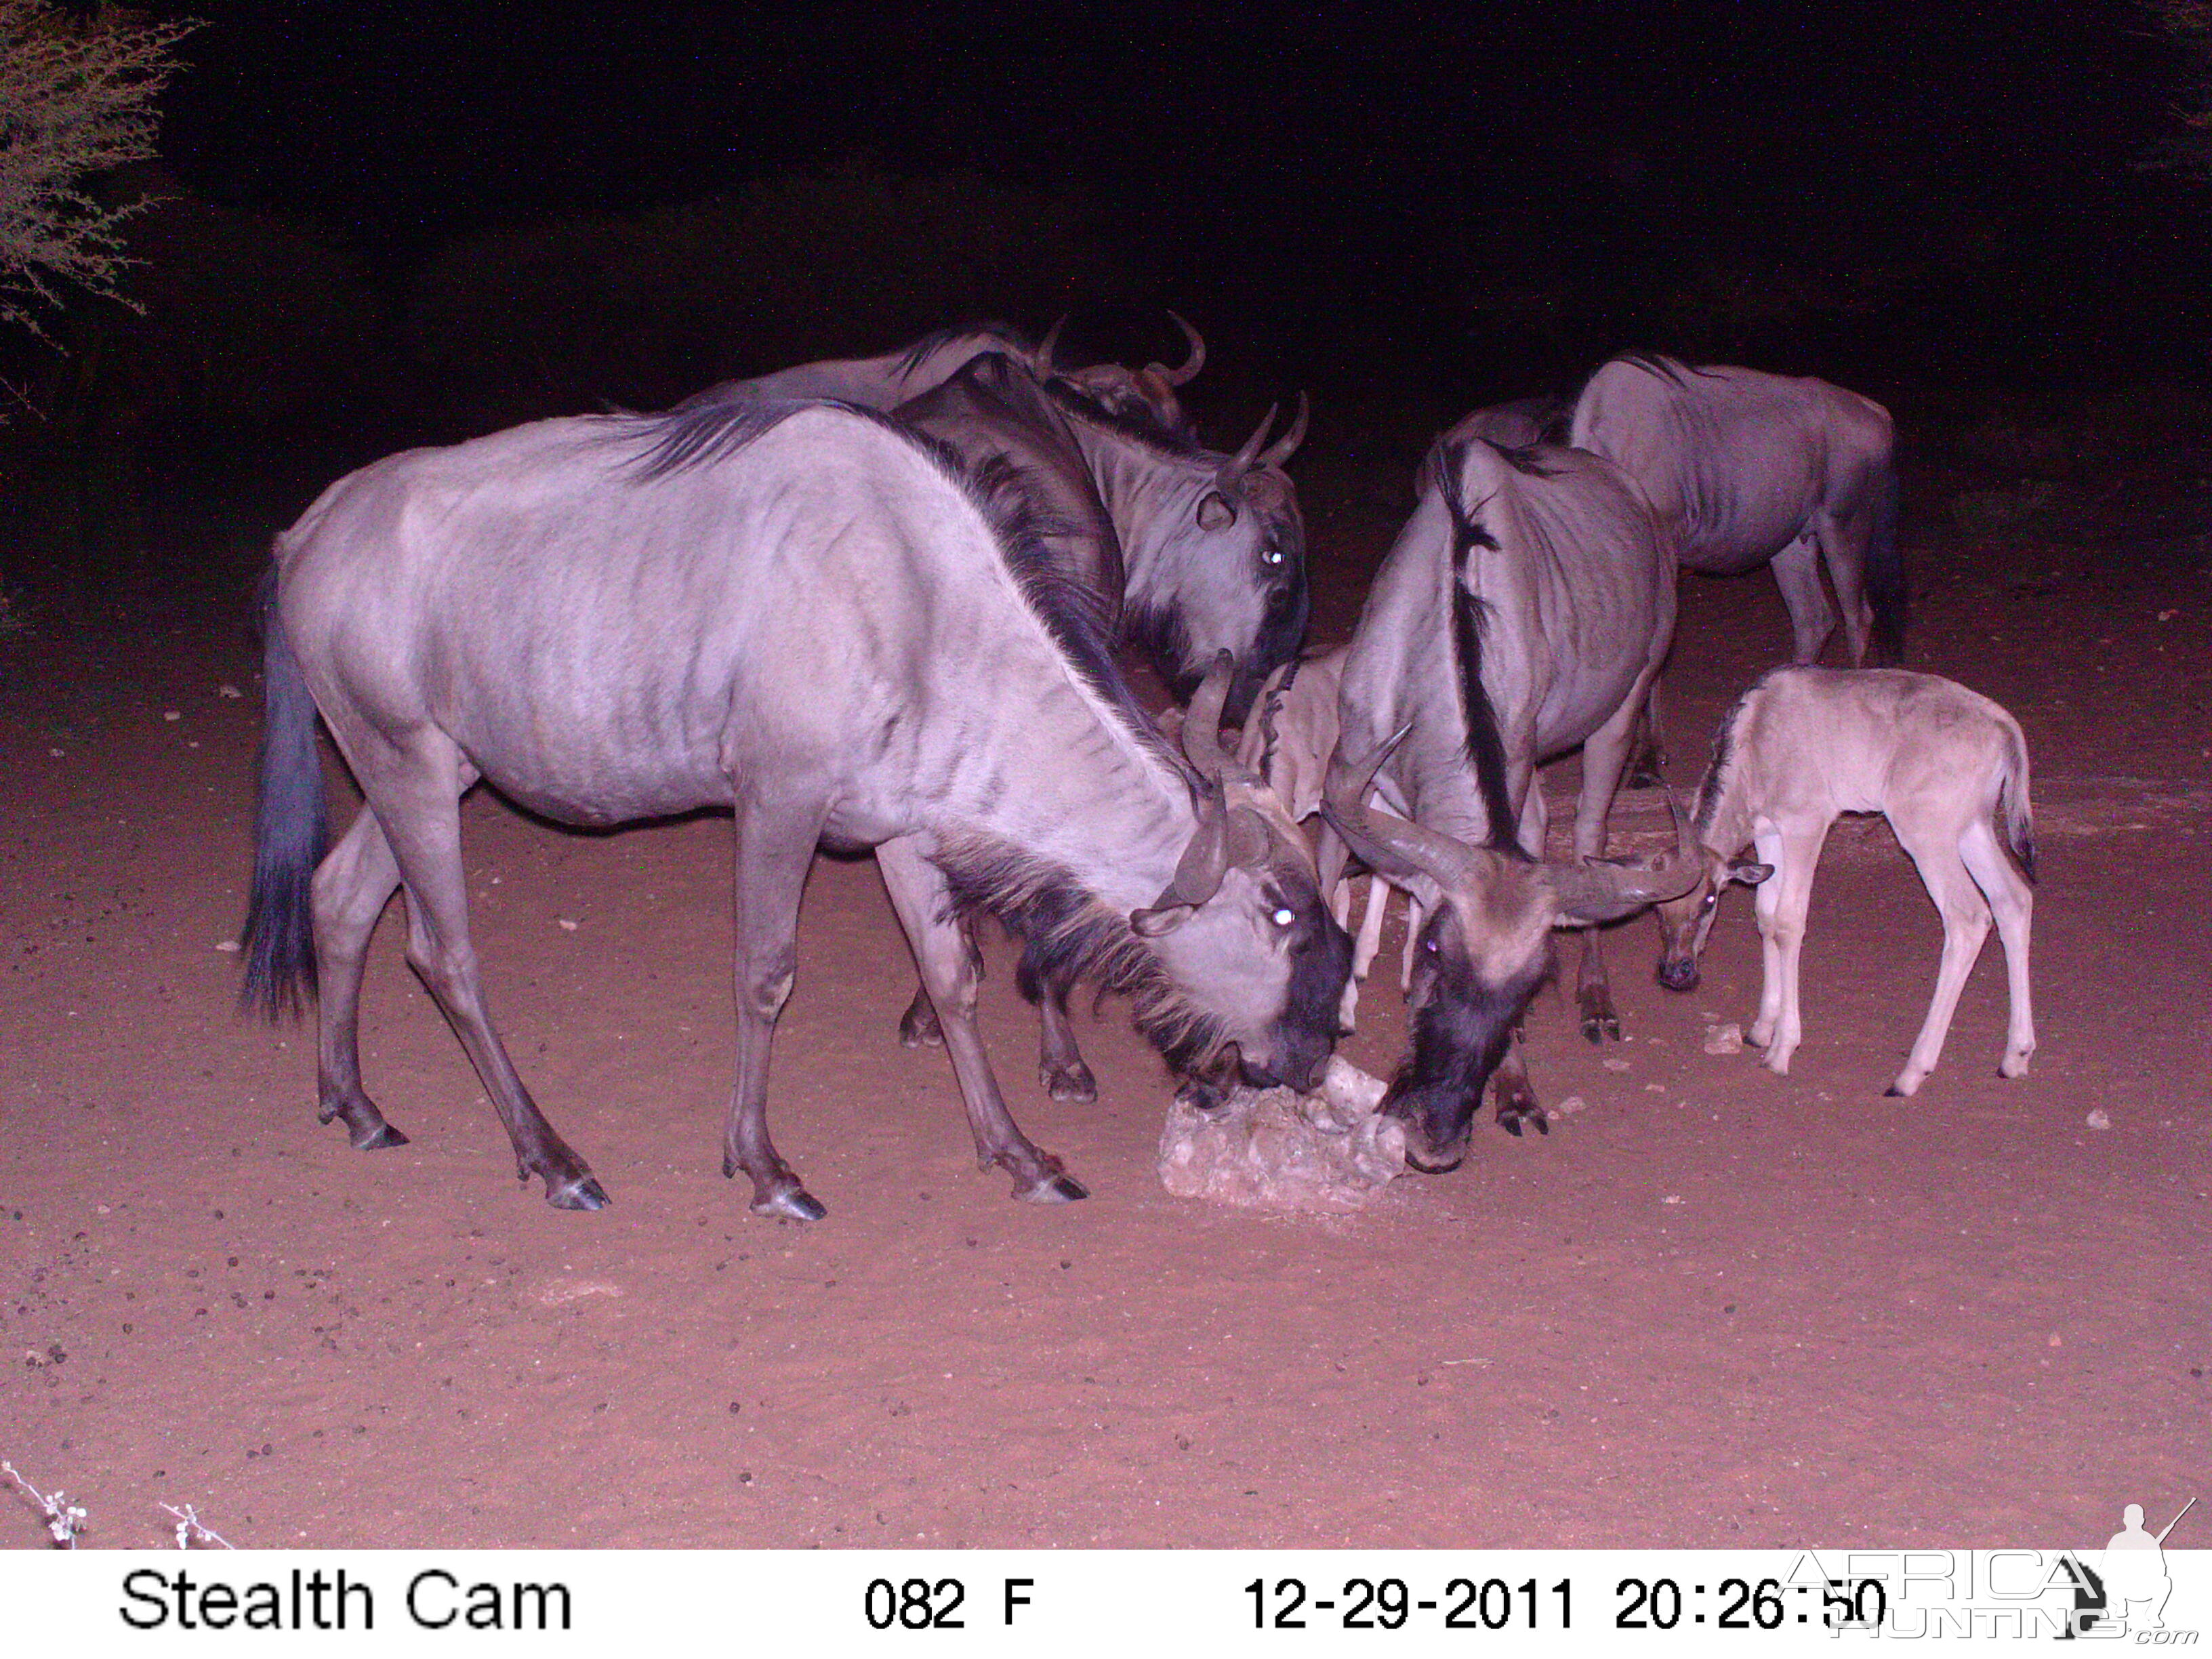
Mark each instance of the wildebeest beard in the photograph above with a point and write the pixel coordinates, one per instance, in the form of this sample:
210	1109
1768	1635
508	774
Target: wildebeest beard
1461	1030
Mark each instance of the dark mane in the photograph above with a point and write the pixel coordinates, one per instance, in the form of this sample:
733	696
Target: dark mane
1485	745
1069	934
937	339
1654	363
708	429
1709	787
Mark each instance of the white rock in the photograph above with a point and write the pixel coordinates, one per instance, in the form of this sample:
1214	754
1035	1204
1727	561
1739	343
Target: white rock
2098	1120
227	689
1724	1039
1277	1149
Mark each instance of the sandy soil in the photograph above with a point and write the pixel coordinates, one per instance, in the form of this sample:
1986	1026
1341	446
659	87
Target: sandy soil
1714	1307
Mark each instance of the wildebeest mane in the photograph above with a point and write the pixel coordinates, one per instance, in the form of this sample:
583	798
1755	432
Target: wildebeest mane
1138	429
1486	744
1711	786
1068	934
710	428
1525	459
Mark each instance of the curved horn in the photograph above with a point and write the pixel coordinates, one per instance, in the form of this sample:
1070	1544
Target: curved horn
1194	363
1046	366
1405	848
1244	457
1202	727
1281	449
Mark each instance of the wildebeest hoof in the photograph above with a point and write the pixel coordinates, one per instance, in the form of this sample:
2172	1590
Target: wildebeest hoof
1201	1096
584	1193
377	1138
918	1026
789	1204
1510	1118
1069	1081
1412	1162
1055	1190
1598	1027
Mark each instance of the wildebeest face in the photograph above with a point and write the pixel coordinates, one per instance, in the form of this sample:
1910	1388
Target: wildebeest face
1684	923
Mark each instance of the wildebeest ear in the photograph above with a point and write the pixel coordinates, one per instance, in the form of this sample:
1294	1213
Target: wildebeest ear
1161	918
1216	511
1748	872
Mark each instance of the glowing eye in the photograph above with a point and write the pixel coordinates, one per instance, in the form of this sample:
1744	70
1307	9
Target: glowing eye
1273	555
1285	918
1429	945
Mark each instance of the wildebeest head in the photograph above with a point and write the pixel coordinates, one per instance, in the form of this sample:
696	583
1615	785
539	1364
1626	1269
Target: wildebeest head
1141	395
1246	892
1483	951
1229	573
1686	922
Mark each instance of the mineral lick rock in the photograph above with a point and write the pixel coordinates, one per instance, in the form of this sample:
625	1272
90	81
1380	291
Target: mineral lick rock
1277	1149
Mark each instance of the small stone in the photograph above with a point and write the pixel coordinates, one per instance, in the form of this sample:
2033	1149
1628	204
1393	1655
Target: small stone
170	714
227	689
1616	1065
1672	1198
2056	1341
229	946
566	926
1568	1107
2097	1119
1724	1039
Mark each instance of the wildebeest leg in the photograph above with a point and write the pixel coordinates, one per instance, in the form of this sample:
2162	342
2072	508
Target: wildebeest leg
1812	618
775	843
1604	757
1782	932
1515	1098
1647	767
352	885
949	974
1364	948
1966	926
1416	919
1843	548
1060	1062
415	792
2013	901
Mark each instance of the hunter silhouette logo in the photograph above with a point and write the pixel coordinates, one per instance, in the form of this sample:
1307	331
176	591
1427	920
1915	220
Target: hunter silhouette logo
2136	1583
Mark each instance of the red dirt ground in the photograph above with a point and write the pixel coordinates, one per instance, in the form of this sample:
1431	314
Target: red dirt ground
1713	1308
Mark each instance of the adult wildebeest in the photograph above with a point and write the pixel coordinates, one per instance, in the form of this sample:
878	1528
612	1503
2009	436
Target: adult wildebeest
1946	766
1522	612
1746	469
1200	553
1147	393
1521	424
802	613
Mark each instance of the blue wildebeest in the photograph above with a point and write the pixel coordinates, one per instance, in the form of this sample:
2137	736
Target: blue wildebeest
1522	612
1748	469
1946	766
1147	393
803	614
1199	554
1521	424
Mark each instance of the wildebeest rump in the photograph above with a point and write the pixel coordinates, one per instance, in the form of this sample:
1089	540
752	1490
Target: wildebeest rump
804	615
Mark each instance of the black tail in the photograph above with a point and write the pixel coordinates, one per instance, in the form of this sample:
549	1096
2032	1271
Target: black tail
291	831
1885	571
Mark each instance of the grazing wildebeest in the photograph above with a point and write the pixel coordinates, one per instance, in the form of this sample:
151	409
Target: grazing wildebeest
1946	766
1746	468
1226	573
1522	612
1484	949
805	614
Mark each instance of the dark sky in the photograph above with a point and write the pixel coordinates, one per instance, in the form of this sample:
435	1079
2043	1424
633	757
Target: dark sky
1314	162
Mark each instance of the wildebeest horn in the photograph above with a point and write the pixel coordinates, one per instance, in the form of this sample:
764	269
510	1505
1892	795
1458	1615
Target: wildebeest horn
1202	727
1046	366
1386	841
1601	892
1281	449
1226	836
1250	453
1194	363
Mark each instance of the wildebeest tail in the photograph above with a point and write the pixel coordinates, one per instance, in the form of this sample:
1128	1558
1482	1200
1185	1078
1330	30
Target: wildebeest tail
291	831
1885	570
1486	744
2019	815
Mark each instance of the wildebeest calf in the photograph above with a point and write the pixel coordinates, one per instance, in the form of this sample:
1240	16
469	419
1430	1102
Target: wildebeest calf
1946	766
